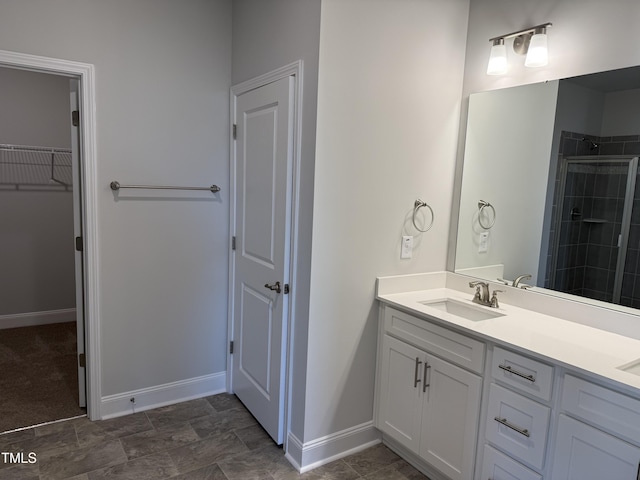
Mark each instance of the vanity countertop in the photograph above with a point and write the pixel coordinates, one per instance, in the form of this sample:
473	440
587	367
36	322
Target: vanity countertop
585	348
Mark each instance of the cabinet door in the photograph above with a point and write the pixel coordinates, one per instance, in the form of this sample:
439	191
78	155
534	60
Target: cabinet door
451	408
586	453
400	392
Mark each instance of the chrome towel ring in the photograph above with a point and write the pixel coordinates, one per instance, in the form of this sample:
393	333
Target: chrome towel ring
418	204
482	204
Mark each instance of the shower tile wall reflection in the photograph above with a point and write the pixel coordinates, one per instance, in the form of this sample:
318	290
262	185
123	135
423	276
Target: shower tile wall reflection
591	221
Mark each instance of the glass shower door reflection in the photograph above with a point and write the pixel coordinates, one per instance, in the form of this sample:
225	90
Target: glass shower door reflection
595	206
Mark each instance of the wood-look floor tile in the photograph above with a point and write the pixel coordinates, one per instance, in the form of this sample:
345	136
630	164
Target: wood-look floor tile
372	459
221	422
206	452
157	440
180	412
224	401
82	460
152	467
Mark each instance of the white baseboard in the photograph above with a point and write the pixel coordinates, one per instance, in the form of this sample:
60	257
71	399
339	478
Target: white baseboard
310	455
161	395
37	318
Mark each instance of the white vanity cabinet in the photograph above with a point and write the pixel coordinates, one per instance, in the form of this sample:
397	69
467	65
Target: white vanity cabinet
425	402
603	441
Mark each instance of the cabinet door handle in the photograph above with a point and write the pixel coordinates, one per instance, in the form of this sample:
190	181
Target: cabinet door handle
521	431
416	380
508	368
424	377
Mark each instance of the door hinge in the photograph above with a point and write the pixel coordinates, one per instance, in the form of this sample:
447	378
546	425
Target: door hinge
82	360
78	244
233	243
235	131
231	346
286	288
75	118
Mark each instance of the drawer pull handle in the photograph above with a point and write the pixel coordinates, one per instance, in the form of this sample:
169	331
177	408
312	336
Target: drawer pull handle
508	368
424	377
416	380
521	431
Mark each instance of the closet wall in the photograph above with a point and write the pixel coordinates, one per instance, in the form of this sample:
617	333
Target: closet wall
36	223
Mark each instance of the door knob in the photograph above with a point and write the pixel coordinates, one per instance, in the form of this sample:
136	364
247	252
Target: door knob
275	287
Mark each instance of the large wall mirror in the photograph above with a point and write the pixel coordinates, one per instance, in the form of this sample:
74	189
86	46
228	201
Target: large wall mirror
549	195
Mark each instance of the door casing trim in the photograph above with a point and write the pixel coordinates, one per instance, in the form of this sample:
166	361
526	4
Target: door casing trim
85	72
294	69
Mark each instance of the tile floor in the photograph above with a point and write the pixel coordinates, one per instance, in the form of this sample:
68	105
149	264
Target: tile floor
213	438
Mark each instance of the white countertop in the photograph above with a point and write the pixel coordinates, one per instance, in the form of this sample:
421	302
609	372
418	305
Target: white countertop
585	348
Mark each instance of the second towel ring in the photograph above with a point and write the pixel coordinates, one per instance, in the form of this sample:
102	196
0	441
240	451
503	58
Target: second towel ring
482	204
418	204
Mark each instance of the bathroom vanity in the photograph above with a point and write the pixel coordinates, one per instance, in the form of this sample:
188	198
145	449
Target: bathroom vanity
469	392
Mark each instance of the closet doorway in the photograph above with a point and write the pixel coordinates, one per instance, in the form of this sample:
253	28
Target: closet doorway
42	340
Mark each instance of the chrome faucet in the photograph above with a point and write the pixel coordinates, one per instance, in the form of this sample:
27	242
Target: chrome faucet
516	282
482	292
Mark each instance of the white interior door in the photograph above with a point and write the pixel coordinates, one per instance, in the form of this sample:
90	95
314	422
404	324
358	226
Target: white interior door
261	263
77	233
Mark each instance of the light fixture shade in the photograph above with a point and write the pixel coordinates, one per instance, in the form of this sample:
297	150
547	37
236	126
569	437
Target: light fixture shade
497	59
537	55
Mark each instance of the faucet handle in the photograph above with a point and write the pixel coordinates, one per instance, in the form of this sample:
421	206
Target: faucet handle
494	299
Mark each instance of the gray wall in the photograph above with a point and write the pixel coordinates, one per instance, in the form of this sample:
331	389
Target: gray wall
390	80
163	71
34	109
621	113
36	228
266	36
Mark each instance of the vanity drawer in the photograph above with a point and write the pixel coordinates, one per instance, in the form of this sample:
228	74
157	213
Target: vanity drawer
518	425
451	346
497	466
602	407
522	373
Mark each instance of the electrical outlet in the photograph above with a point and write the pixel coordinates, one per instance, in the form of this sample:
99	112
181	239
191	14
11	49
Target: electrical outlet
407	246
483	244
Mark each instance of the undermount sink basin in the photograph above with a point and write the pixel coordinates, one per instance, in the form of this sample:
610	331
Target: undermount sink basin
461	309
633	367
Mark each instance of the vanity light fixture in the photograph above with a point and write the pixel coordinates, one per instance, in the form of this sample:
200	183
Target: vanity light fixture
531	42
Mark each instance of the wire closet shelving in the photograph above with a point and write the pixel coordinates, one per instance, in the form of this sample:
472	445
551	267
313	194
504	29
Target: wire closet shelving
35	168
